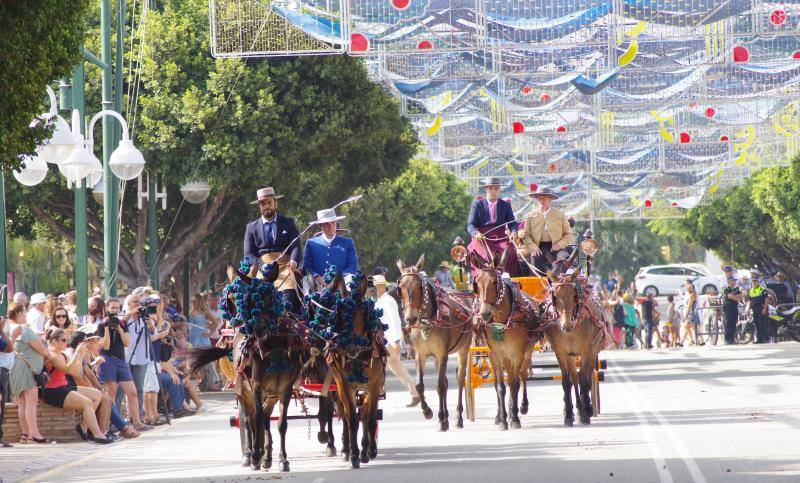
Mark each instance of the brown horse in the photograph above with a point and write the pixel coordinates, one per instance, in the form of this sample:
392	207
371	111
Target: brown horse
510	323
257	388
349	362
583	332
438	324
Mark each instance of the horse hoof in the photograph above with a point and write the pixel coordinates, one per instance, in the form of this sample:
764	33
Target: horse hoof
516	425
255	467
345	456
586	420
322	437
330	452
355	463
266	464
442	426
428	413
523	409
285	466
503	426
245	460
460	423
496	420
373	453
364	458
568	422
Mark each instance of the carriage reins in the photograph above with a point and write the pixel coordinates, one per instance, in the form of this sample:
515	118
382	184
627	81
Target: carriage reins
523	307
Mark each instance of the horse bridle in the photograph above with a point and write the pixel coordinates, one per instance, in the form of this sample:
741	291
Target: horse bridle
500	289
426	299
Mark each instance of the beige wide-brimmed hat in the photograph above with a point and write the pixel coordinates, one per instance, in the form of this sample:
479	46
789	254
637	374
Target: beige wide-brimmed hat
378	280
265	193
327	216
543	191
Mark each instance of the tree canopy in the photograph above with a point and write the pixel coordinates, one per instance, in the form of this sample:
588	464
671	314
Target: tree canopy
41	42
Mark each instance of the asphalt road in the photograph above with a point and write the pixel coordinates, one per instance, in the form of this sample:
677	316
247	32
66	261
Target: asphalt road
703	414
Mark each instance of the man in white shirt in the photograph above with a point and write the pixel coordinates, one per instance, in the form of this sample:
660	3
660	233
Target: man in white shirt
35	316
391	317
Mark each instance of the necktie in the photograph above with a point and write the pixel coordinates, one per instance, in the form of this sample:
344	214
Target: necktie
493	212
269	238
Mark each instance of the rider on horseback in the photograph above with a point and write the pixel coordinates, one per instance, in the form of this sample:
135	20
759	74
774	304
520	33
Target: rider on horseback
492	224
547	234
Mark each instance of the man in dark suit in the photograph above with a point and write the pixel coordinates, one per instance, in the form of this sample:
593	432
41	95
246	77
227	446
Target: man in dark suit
492	225
266	238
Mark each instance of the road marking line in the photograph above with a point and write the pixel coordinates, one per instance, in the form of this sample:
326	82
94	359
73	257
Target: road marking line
647	433
683	452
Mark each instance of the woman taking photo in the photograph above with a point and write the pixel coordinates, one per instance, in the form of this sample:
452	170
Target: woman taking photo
28	360
59	392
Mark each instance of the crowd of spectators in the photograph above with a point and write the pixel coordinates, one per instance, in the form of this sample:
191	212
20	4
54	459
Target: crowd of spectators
126	357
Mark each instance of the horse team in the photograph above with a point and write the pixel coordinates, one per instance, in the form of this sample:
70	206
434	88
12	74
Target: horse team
349	350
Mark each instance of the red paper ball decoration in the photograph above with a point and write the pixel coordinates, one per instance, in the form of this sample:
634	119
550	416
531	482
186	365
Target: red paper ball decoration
710	112
685	138
545	97
553	167
359	42
564	188
561	129
401	4
534	186
796	55
741	54
519	128
674	203
648	203
425	45
526	90
777	17
724	138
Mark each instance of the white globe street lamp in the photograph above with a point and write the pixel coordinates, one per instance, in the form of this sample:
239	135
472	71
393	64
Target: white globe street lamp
195	192
98	192
126	161
33	173
79	165
59	147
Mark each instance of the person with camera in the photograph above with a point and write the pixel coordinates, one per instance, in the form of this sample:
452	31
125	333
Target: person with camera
140	320
115	371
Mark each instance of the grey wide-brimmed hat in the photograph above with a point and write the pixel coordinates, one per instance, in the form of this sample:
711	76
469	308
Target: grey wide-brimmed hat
265	193
327	216
543	191
491	181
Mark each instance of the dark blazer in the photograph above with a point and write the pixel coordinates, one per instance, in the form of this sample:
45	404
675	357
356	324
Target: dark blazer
285	231
479	215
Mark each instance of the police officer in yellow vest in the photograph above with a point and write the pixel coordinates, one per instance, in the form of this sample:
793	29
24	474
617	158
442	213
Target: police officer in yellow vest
547	229
758	305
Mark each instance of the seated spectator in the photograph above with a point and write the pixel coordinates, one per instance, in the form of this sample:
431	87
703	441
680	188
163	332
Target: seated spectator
107	412
29	354
60	393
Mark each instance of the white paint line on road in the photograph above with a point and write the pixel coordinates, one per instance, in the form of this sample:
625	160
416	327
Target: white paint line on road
619	373
647	432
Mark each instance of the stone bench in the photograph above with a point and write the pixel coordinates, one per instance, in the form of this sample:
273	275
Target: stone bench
54	423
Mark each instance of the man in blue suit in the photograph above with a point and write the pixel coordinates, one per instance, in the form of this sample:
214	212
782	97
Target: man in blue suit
492	224
329	249
269	236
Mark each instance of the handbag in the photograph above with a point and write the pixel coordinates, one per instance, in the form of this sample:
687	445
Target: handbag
41	378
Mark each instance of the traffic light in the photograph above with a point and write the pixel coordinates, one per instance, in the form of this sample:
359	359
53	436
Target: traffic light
665	252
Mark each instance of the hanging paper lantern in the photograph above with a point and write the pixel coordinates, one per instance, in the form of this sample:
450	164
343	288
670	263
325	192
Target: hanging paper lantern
648	203
724	138
710	112
526	90
401	4
796	55
359	42
425	45
519	128
741	54
534	186
674	203
545	98
561	129
685	138
777	17
553	168
564	188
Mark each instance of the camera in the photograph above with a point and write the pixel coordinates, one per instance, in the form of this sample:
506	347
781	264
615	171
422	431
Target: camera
112	321
150	305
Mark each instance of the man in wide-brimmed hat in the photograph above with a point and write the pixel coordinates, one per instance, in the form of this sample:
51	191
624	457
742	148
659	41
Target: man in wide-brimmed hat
547	231
444	276
269	236
492	224
329	248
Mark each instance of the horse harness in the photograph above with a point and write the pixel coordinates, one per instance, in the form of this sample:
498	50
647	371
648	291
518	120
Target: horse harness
440	306
522	311
586	302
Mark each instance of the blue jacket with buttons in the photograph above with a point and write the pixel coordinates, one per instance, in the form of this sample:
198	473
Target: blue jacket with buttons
319	255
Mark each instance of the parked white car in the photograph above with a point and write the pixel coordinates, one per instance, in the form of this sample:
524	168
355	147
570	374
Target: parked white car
666	279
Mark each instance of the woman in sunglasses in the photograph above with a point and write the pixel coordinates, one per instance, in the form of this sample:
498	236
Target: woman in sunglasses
63	393
60	320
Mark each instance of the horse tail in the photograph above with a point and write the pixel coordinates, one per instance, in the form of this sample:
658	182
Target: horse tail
199	357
